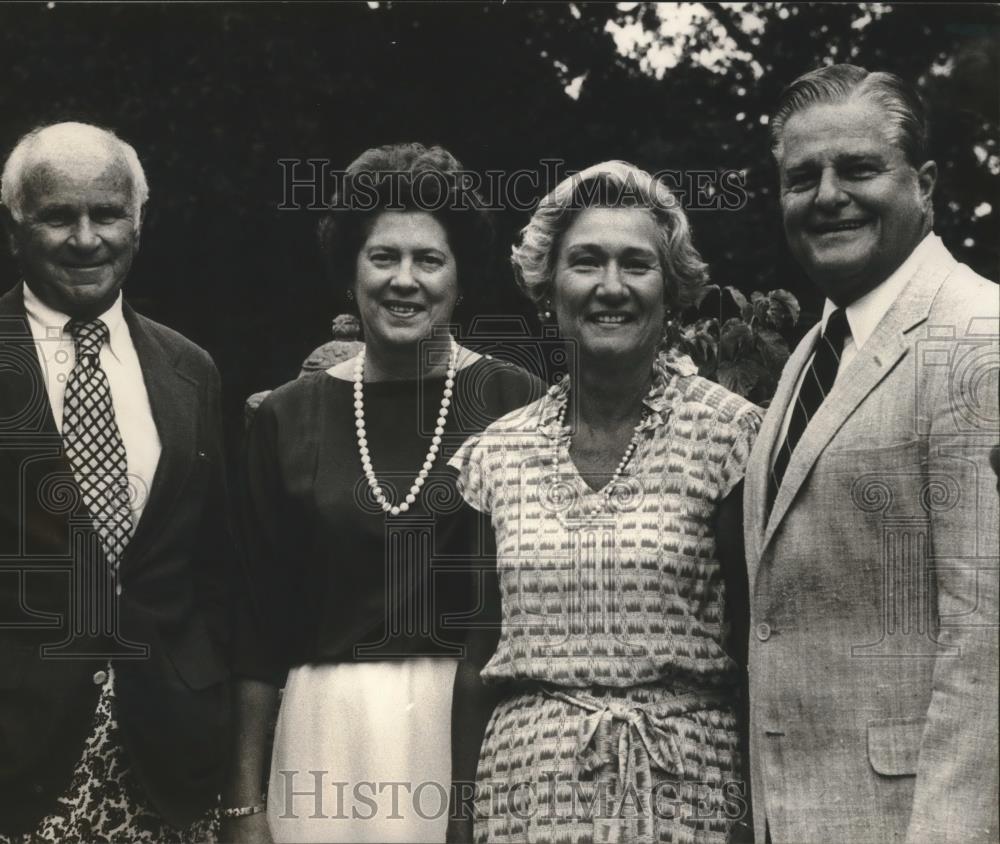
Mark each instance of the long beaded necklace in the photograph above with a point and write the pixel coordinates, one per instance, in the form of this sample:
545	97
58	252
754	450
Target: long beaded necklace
432	452
633	444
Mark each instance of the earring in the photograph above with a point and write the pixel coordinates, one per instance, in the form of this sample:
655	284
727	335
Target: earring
459	300
546	315
350	295
667	337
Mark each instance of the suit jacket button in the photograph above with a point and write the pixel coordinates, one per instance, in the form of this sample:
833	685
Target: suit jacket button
100	677
37	788
763	631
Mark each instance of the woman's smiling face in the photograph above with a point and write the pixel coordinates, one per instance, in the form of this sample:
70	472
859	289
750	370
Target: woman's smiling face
608	287
406	279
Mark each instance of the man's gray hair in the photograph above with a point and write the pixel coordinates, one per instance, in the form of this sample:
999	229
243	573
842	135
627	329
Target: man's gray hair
905	114
64	140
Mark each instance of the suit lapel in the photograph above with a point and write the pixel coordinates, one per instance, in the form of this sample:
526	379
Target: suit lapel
25	410
758	472
883	351
173	395
860	378
24	400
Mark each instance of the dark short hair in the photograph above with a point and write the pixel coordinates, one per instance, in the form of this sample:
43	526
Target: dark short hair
905	114
406	177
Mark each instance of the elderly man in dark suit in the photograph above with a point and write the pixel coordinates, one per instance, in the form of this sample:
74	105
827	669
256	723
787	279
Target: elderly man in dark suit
871	509
115	553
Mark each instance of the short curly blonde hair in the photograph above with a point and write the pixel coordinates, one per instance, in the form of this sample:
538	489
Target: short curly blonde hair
610	184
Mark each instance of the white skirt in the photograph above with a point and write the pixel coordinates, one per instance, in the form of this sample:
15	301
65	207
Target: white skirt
362	752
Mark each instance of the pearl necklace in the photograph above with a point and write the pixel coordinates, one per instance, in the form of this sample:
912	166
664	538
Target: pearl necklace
432	452
633	444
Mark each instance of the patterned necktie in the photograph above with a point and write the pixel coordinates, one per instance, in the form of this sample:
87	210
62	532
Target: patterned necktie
817	383
93	442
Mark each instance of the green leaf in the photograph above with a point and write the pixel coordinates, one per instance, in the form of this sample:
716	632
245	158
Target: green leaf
735	340
708	288
773	350
761	304
740	300
783	309
741	376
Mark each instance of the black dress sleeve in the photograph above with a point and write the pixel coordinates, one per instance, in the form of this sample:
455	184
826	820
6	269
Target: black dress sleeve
265	604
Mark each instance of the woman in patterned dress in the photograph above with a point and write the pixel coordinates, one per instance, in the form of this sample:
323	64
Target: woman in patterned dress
601	703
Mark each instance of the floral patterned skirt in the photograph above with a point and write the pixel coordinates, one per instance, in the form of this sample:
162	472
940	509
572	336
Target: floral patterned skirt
103	803
638	764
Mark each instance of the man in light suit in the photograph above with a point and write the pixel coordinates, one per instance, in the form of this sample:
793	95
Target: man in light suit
115	554
871	509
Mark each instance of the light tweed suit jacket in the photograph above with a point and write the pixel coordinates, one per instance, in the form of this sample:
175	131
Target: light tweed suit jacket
873	643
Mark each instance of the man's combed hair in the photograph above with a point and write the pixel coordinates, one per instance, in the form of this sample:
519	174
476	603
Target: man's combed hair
905	114
406	177
611	184
66	140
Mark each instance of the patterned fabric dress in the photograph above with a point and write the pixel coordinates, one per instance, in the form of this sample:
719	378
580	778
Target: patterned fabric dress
620	724
104	804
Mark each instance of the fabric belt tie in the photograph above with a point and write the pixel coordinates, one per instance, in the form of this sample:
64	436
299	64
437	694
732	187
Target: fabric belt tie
643	737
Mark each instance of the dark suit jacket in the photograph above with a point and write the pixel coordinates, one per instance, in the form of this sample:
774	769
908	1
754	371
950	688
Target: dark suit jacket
172	689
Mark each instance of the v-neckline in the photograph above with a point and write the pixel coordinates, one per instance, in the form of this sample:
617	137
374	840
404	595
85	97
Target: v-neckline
668	367
563	445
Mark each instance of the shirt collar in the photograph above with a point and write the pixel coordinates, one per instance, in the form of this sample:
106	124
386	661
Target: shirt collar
864	314
46	317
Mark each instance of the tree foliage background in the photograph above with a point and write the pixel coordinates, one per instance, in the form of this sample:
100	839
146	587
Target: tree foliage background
212	96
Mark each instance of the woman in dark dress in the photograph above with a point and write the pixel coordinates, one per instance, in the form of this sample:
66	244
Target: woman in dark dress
358	546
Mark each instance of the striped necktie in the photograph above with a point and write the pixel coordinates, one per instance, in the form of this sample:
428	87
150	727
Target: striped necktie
93	442
815	386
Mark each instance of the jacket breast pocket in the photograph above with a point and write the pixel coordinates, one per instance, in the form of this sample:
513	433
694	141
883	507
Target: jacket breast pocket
197	478
894	745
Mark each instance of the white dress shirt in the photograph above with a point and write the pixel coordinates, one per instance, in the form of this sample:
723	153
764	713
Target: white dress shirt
863	317
57	357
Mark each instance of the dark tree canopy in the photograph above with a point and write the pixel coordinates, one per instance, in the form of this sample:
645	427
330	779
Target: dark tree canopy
212	96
